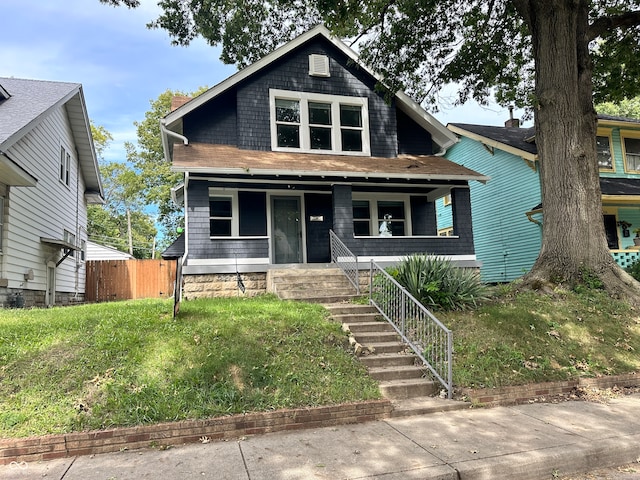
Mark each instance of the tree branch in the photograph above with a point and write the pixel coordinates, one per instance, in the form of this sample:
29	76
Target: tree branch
128	3
605	24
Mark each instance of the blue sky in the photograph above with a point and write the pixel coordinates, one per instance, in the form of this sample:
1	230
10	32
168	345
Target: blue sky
122	65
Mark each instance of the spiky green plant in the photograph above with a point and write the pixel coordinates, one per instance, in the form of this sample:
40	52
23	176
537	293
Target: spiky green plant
438	284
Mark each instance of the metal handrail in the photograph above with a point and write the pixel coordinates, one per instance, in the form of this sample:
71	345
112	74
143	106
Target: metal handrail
346	260
430	340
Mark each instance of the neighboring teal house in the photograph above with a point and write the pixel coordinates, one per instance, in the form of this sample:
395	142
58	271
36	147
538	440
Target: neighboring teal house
507	211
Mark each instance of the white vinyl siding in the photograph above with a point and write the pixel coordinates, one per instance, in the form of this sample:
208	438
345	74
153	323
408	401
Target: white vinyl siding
46	210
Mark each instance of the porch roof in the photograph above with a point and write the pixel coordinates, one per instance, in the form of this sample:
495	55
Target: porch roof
226	159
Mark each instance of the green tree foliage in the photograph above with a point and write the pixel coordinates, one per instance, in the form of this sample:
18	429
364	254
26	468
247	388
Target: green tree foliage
154	171
551	56
629	108
108	224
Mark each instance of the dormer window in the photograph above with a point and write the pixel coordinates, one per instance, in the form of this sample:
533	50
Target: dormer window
316	123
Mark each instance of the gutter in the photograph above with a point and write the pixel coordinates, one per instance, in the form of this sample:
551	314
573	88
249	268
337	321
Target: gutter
166	133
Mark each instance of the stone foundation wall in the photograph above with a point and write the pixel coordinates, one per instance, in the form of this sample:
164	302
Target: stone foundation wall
20	298
223	285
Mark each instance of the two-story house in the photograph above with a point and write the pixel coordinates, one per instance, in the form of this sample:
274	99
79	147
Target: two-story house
48	175
508	215
298	144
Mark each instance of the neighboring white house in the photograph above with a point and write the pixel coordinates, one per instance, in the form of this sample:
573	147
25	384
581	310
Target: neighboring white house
95	251
48	175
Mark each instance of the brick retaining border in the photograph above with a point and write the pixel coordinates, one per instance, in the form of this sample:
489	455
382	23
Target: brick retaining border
491	397
50	447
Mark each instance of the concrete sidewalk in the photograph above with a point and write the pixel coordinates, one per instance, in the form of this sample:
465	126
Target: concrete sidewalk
535	441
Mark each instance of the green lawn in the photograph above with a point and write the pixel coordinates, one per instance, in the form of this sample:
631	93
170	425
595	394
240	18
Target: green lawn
522	338
130	363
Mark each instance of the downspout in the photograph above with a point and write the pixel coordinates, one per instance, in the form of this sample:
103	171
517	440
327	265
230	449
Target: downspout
165	140
186	219
165	133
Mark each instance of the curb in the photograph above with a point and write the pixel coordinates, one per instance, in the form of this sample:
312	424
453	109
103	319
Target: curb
552	462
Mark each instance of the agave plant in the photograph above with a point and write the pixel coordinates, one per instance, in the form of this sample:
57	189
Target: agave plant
438	284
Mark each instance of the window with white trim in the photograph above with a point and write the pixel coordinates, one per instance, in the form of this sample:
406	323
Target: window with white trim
70	238
221	215
603	150
318	123
65	166
369	215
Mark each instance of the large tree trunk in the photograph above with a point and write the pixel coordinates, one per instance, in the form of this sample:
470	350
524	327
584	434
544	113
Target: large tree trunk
573	239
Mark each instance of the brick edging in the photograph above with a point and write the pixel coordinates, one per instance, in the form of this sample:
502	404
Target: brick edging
524	393
50	447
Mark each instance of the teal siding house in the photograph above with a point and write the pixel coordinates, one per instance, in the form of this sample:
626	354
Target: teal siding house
507	211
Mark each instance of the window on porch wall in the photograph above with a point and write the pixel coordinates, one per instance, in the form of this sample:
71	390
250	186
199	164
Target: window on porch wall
366	210
220	216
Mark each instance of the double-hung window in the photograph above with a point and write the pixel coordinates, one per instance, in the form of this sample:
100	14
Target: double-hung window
631	148
369	215
221	215
317	123
65	166
603	150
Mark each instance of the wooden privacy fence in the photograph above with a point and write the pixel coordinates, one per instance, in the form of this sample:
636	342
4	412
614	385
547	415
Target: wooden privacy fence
109	280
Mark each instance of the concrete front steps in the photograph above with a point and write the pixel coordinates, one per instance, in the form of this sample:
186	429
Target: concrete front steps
376	343
314	285
389	361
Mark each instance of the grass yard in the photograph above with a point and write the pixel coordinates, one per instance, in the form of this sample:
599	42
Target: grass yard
523	338
130	363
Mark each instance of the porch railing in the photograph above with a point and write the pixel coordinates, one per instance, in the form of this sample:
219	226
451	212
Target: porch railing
345	260
430	340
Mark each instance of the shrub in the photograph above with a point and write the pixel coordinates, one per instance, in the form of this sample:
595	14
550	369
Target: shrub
438	284
634	270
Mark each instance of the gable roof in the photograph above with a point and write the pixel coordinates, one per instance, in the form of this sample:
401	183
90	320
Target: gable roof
519	141
225	159
439	133
29	102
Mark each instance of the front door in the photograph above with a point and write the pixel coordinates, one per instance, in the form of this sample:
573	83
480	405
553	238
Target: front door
286	230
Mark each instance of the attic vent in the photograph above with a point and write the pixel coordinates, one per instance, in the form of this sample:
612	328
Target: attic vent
319	65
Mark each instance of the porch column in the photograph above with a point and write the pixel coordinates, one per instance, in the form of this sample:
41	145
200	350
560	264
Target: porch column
462	227
423	216
343	212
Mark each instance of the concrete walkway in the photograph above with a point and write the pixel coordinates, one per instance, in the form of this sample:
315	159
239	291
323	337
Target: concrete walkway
535	441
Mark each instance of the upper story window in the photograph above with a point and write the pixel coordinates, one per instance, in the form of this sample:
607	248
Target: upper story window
631	150
65	166
603	149
316	123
